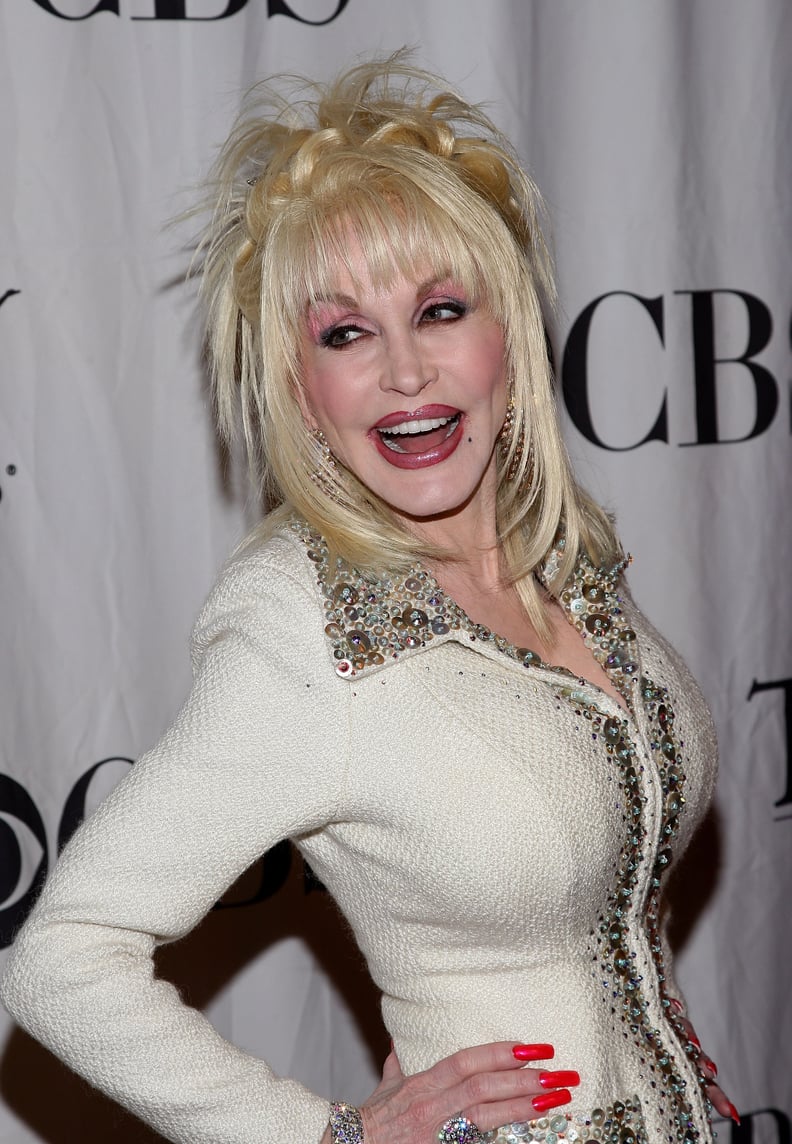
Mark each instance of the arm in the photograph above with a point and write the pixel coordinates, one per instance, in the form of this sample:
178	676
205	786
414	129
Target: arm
228	780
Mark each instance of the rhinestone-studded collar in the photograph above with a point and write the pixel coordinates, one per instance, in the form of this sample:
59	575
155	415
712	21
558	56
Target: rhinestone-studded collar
372	621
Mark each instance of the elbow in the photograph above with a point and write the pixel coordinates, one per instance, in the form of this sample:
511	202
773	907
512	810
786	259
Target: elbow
28	983
50	982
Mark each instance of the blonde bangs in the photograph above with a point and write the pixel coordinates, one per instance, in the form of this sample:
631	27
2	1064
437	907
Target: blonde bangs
400	231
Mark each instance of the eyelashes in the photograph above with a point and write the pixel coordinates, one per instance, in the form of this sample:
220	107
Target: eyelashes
347	333
336	337
435	310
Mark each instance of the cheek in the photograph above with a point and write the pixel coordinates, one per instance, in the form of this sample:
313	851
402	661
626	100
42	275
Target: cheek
315	389
487	349
329	403
490	370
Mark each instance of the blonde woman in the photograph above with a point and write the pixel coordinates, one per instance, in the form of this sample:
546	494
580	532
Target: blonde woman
500	757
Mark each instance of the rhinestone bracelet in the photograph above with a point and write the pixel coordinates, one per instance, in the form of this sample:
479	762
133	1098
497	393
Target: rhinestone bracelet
346	1124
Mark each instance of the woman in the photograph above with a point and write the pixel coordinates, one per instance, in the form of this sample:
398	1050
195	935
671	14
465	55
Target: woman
494	813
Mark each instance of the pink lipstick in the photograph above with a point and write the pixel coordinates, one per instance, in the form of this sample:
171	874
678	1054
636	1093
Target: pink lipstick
417	439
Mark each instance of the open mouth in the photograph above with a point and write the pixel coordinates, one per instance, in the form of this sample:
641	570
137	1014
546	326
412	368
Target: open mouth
420	438
420	435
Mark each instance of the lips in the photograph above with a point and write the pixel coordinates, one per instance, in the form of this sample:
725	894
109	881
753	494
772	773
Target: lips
423	437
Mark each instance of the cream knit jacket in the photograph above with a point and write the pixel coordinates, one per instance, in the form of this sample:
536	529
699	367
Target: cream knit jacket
494	830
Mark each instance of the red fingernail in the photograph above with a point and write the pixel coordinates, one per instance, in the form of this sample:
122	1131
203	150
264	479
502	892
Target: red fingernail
551	1099
734	1114
533	1052
694	1041
677	1005
559	1079
708	1064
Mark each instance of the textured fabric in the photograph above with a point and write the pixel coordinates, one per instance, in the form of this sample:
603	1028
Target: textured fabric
495	833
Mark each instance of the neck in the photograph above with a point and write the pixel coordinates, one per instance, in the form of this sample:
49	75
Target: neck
470	537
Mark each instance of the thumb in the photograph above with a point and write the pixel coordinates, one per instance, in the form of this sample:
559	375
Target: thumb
391	1070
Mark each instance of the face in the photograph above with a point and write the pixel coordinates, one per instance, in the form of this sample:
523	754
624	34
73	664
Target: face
408	385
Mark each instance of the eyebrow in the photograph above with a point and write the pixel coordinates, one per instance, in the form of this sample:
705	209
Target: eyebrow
337	299
435	280
352	303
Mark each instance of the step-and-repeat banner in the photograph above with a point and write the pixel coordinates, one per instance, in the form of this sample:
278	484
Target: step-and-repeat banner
660	133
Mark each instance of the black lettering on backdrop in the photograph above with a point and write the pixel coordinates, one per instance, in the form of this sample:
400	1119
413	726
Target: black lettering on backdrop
177	10
11	472
575	376
16	803
705	362
577	382
74	807
784	685
100	6
743	1133
281	8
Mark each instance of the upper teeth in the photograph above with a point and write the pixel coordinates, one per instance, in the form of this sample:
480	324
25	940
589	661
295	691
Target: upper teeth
418	426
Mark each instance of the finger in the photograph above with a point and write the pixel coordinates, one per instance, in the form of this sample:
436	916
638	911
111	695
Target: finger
722	1103
494	1087
493	1114
707	1066
690	1032
534	1052
515	1095
493	1057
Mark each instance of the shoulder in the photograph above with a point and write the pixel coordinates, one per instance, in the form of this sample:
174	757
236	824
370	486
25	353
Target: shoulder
266	591
277	565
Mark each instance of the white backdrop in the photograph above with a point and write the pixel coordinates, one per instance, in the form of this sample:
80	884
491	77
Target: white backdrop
660	132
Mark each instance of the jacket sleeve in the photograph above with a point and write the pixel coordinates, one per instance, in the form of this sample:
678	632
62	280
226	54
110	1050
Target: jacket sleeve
247	762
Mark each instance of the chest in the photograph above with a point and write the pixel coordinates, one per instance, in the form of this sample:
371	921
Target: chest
488	789
491	794
563	645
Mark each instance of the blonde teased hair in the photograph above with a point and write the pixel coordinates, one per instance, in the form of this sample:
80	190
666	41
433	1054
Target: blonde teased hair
426	184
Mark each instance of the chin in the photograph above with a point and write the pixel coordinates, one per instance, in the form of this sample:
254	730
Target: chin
430	507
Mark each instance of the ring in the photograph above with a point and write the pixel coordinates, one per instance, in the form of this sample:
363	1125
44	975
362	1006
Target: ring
460	1130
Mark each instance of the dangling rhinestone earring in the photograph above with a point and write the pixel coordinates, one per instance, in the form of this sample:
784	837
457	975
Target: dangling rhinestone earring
325	470
505	441
505	438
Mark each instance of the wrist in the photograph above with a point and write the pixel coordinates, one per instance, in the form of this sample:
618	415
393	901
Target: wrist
346	1124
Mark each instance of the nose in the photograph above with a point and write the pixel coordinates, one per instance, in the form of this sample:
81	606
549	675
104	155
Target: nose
407	368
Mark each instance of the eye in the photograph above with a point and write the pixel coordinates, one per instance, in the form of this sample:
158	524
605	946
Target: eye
337	337
446	311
